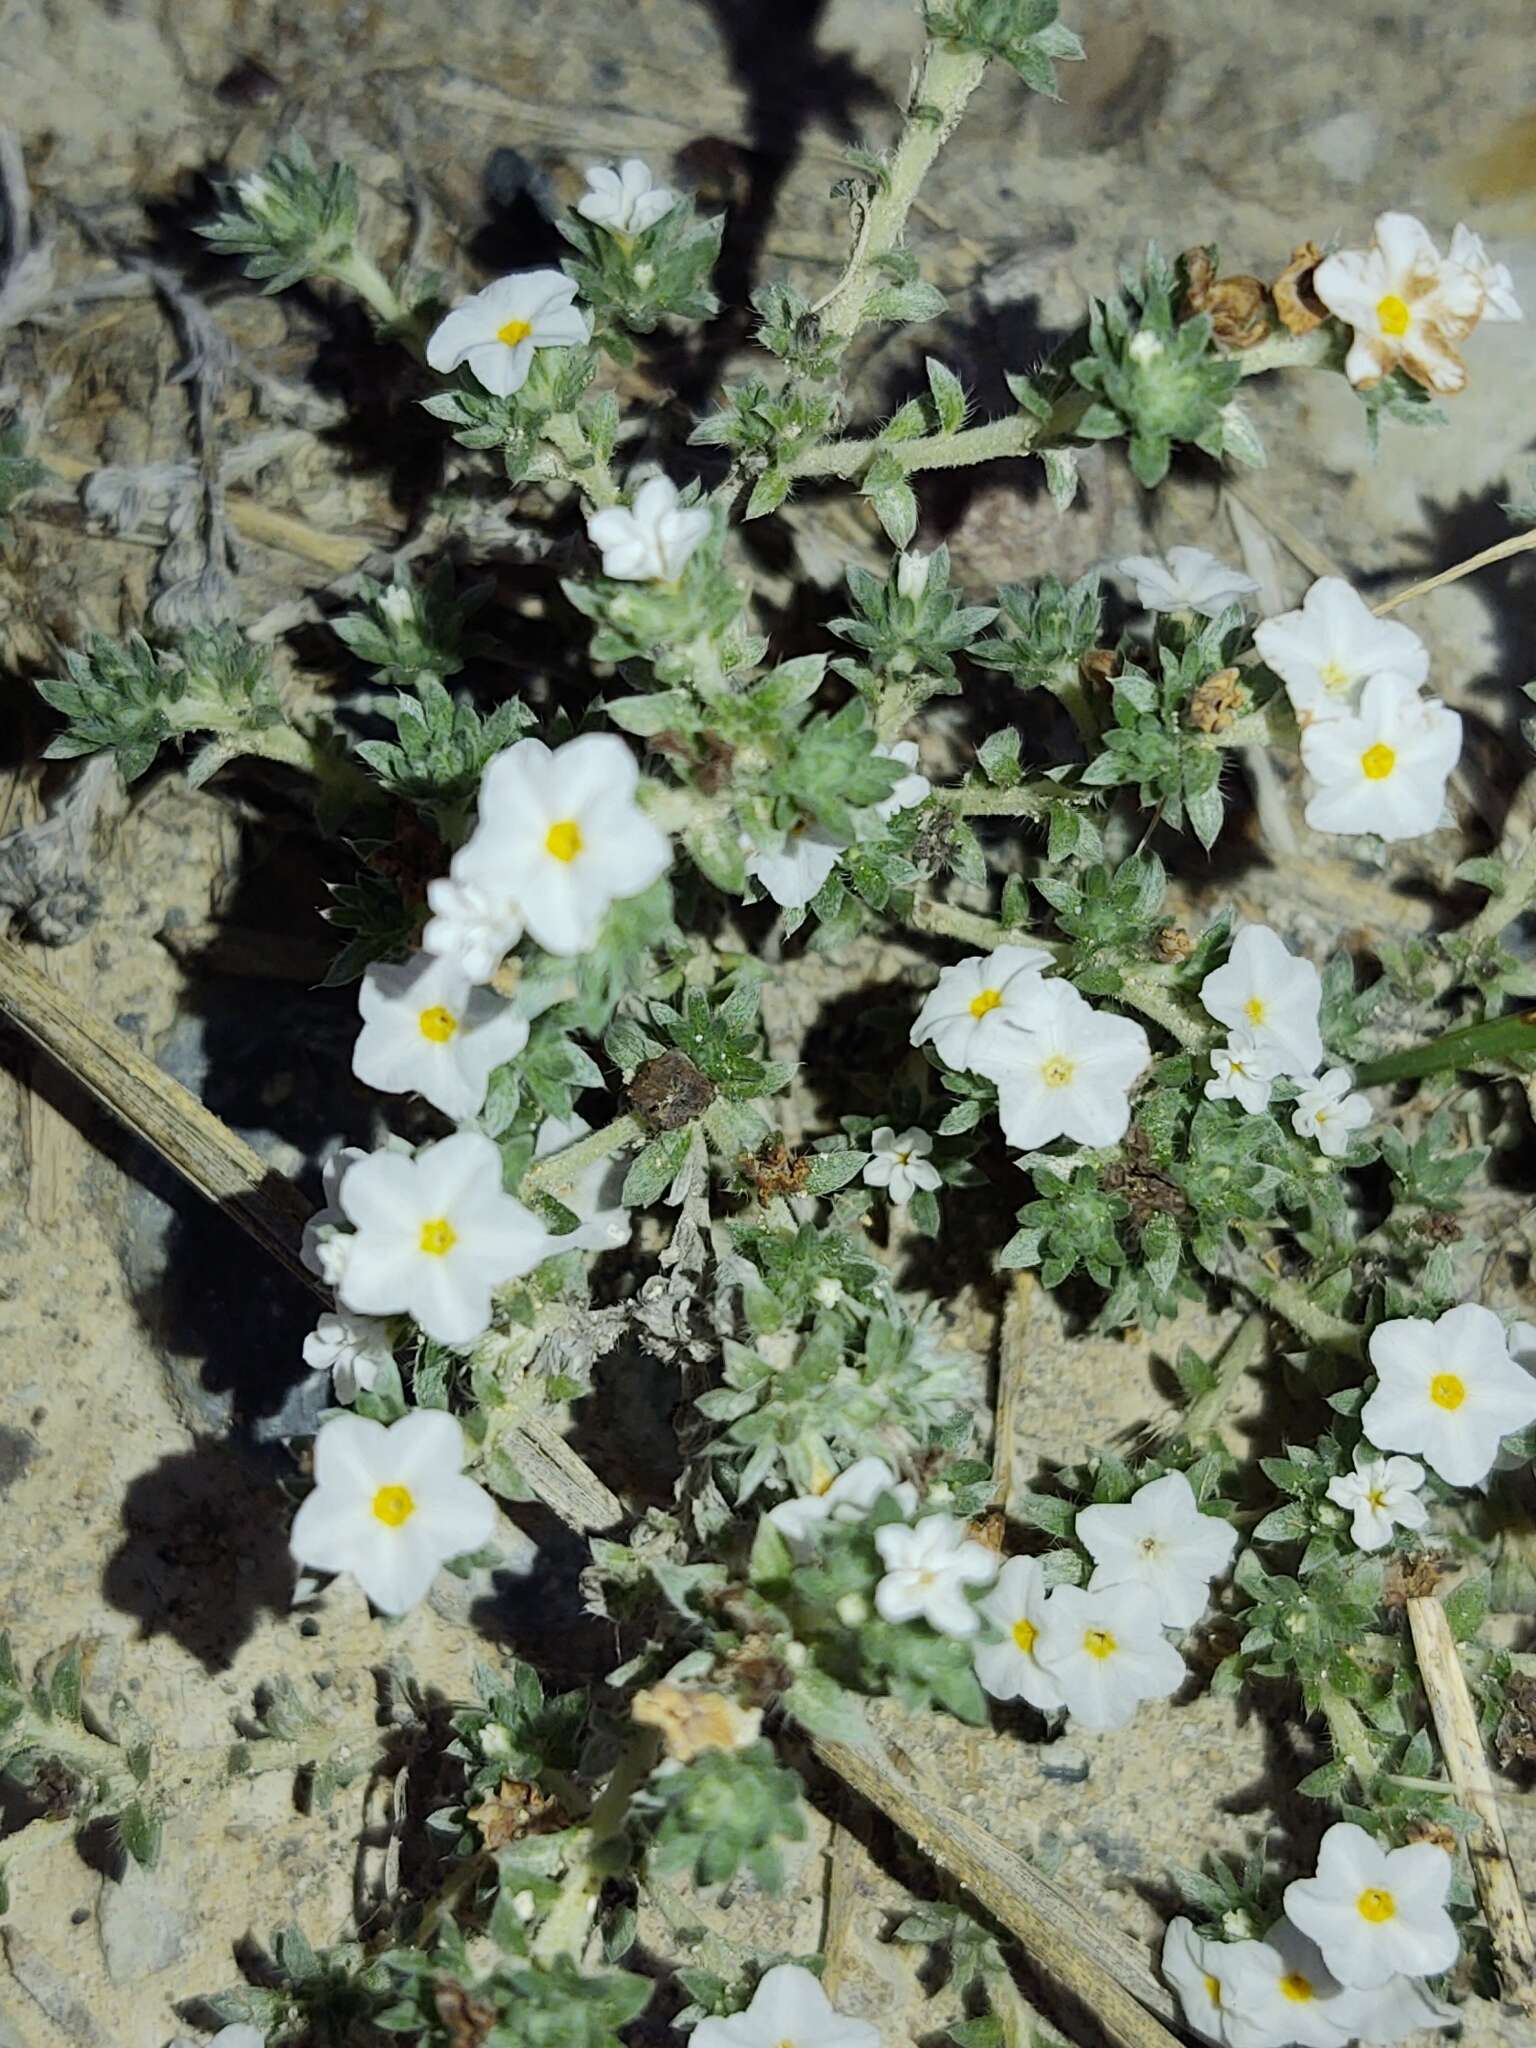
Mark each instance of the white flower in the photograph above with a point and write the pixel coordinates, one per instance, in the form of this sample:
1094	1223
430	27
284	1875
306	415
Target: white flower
1376	1913
789	2009
1017	1605
1382	1495
1499	301
1384	770
912	575
427	1031
1447	1391
912	787
1106	1652
603	1224
1243	1071
1409	307
1402	2006
901	1165
927	1568
970	1014
1159	1541
561	834
794	876
391	1506
471	926
398	604
436	1236
256	195
626	200
1280	1990
1187	580
848	1499
1194	1967
652	540
327	1240
238	2036
1069	1073
352	1349
1326	1110
496	332
1272	996
1327	652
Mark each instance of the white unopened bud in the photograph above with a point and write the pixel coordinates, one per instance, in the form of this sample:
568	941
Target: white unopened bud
827	1293
524	1905
853	1610
1145	347
912	576
255	195
398	605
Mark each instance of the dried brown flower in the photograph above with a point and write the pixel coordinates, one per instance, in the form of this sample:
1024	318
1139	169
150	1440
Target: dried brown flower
515	1809
669	1091
691	1722
1439	1226
1295	300
775	1170
1173	944
1147	1190
1217	702
1238	306
469	2020
1515	1740
1099	665
1411	1578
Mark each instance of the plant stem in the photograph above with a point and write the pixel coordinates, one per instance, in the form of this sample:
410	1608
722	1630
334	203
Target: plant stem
1512	901
583	465
948	921
1500	552
1288	1298
1164	1007
562	1170
358	269
1024	800
947	80
568	1924
1243	1349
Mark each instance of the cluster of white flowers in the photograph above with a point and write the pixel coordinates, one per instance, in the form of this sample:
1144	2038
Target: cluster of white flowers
789	2009
1447	1391
391	1505
559	838
794	874
1062	1068
1269	999
1410	307
1345	1961
1378	753
1098	1650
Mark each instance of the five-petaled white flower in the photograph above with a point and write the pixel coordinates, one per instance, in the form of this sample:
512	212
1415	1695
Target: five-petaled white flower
794	875
1499	301
494	334
1070	1071
353	1349
971	1013
436	1235
626	201
1376	1913
327	1240
1280	1990
651	540
927	1569
1243	1071
1382	1494
848	1499
1186	580
427	1030
1106	1651
1447	1391
602	1223
1327	652
1325	1110
901	1164
911	788
391	1506
1195	1967
1383	769
1409	306
789	2009
561	834
1400	2007
1159	1541
472	926
1271	995
1017	1606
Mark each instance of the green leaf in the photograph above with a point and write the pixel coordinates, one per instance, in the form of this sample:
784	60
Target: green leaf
914	301
949	400
140	1833
1467	1608
654	1170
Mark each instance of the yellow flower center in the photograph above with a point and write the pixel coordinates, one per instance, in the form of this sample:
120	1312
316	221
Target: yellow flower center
438	1024
1057	1071
438	1236
1024	1633
563	841
1376	1905
1254	1010
989	999
1098	1642
1213	1990
1376	1498
1392	314
514	331
1335	677
393	1505
1447	1391
1296	1988
1377	762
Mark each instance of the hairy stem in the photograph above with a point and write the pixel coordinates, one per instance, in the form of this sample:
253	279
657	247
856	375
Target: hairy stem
358	269
559	1172
1292	1300
582	464
1024	800
1243	1350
